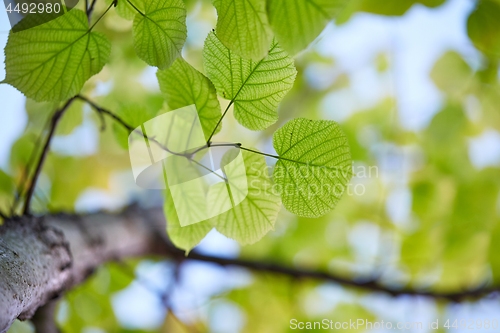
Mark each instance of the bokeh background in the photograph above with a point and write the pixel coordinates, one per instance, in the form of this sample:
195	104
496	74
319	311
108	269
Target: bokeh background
421	107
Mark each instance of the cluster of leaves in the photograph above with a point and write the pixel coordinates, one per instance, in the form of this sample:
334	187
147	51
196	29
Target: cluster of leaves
244	63
247	60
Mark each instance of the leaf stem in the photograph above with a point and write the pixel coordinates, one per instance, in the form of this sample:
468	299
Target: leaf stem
100	17
209	142
288	159
53	125
260	153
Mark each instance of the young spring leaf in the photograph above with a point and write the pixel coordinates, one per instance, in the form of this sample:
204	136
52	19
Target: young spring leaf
185	201
184	86
52	61
160	32
243	27
254	87
184	237
314	165
255	216
297	23
125	10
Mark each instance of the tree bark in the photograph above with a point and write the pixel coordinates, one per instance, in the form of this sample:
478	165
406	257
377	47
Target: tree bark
40	258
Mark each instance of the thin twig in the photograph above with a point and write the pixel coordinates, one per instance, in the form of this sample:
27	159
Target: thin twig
369	284
136	9
53	125
190	155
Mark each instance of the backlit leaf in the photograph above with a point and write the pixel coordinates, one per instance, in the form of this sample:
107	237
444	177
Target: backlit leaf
184	237
256	215
314	167
184	86
297	23
52	61
243	27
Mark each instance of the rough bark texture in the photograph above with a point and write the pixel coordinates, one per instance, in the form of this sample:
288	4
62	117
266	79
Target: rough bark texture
42	257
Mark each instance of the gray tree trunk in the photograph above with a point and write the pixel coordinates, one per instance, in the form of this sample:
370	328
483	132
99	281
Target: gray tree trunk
40	258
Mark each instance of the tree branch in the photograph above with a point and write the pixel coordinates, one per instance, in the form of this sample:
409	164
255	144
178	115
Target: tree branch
44	318
40	258
365	284
53	125
102	110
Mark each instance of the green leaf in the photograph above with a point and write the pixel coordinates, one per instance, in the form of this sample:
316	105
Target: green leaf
483	27
297	23
160	32
52	61
7	190
125	10
6	183
184	86
314	165
452	74
254	87
387	8
242	26
394	7
183	237
188	236
133	115
256	215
